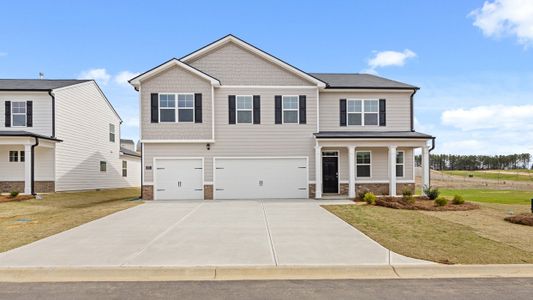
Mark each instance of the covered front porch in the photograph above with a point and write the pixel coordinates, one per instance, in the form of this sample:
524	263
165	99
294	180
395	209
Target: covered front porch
27	162
380	162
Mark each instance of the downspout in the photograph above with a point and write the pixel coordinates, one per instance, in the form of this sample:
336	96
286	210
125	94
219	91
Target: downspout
142	171
53	113
429	158
411	103
33	166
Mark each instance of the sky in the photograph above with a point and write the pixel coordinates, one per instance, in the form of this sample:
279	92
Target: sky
473	60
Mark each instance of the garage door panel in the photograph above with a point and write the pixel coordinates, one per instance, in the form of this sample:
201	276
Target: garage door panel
261	178
178	179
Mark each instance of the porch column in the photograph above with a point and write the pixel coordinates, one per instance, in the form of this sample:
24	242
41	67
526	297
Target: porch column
318	172
27	169
425	166
351	171
392	170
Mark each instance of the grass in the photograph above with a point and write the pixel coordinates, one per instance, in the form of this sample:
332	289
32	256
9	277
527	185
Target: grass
503	176
491	196
27	221
424	236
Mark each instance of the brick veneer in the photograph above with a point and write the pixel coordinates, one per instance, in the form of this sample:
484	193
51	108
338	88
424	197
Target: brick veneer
344	187
148	192
383	188
312	193
40	186
208	192
45	186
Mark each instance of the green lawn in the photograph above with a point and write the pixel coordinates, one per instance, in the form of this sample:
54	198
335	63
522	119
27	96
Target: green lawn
491	196
493	176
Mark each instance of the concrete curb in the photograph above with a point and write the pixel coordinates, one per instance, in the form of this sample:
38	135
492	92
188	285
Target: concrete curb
74	274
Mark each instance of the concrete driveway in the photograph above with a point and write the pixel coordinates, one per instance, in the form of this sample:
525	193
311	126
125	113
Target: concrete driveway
210	233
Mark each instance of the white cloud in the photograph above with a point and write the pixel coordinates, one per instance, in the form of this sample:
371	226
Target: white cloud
506	18
123	77
99	75
2	54
490	117
390	58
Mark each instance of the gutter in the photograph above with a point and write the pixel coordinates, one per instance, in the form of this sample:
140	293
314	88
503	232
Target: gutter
33	165
411	103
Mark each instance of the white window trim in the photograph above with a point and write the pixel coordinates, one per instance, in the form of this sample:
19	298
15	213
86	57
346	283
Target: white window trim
18	114
16	157
402	164
244	109
370	164
112	132
100	166
125	169
176	108
362	112
290	109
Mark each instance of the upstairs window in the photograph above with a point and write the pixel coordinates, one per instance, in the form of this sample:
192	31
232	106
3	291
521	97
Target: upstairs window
355	112
124	168
167	108
363	164
185	107
400	158
18	114
371	110
244	109
363	112
112	133
290	109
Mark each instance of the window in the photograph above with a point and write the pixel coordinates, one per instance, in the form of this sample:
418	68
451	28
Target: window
167	108
363	112
290	109
185	108
399	163
363	163
244	109
112	133
18	114
13	156
103	166
124	168
22	156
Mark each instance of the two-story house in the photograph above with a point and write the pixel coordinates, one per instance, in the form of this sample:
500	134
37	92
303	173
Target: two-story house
60	135
230	121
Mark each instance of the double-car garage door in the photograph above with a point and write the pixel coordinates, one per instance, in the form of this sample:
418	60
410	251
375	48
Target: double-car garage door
233	178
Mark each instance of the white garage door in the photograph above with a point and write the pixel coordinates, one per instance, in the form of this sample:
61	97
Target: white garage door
178	179
260	178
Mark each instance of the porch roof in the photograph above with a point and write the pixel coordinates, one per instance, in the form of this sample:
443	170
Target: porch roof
21	133
371	135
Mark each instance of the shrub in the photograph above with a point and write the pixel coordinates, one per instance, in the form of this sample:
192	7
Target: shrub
441	201
13	194
431	193
361	194
370	198
458	199
407	195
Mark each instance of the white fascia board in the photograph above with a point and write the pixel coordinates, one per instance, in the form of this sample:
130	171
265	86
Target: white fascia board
177	141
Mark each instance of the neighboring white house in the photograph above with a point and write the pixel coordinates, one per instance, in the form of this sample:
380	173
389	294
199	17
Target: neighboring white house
60	135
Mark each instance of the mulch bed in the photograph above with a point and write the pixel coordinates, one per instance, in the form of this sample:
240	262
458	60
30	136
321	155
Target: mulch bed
523	219
8	198
421	203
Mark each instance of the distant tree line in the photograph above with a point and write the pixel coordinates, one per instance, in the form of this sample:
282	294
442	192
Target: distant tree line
477	162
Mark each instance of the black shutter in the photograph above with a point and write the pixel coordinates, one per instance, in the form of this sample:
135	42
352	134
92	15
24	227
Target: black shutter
8	114
277	107
29	113
257	109
342	112
197	108
382	113
231	109
303	110
154	108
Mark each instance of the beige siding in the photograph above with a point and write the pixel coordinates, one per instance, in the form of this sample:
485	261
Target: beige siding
234	65
176	80
259	140
83	117
14	171
42	111
397	104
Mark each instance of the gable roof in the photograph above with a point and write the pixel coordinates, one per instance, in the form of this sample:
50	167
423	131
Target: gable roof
360	81
167	65
126	141
125	151
37	84
267	56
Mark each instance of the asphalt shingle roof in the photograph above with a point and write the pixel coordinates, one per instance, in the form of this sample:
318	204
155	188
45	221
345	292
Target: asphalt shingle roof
360	81
37	84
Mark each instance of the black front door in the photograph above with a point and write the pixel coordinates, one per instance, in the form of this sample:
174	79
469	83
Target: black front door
330	178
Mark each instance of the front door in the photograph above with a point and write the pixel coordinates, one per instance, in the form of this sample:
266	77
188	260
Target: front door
330	176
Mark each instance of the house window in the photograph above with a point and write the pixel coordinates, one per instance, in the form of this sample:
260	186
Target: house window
13	156
244	109
112	133
185	108
167	108
22	156
363	163
290	109
363	112
124	168
103	166
18	114
399	163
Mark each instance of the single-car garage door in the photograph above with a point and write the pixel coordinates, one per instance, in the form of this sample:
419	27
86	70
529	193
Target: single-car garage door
260	178
178	179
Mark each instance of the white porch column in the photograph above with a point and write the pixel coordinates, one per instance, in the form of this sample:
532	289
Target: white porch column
351	171
318	172
392	170
27	169
425	166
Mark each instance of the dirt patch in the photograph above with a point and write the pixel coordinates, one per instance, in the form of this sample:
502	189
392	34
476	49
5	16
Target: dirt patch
523	219
420	204
4	198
